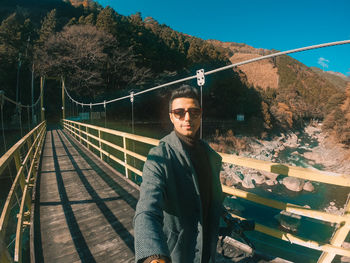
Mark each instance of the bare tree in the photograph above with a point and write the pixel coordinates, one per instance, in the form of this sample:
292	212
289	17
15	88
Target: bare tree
90	60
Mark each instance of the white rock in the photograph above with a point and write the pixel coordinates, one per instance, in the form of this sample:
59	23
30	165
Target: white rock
308	186
293	184
271	182
248	182
269	175
230	181
258	178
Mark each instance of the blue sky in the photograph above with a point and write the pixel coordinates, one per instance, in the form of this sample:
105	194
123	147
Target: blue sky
270	24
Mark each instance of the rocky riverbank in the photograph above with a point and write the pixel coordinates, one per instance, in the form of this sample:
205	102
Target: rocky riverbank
307	148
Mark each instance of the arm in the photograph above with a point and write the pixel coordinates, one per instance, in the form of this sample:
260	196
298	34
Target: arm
148	221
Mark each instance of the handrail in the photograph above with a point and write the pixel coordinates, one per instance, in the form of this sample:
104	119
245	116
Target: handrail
330	250
298	172
6	158
24	179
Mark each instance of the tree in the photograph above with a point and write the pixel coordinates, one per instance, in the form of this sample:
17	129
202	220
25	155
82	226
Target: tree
90	19
11	37
90	60
77	53
107	21
48	27
16	34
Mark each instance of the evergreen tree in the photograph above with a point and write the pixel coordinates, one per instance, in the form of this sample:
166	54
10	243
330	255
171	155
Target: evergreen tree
11	37
107	21
90	19
48	27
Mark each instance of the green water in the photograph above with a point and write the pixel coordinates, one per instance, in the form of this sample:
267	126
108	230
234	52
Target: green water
309	229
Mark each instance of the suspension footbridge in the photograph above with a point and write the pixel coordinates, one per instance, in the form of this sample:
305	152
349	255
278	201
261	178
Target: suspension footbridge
74	190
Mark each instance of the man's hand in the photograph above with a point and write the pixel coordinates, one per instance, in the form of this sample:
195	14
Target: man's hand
158	261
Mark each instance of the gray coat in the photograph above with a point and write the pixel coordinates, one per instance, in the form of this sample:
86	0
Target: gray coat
169	213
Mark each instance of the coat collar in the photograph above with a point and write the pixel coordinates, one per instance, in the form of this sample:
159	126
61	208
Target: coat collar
175	143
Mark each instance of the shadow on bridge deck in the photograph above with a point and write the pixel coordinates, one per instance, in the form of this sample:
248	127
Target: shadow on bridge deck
83	209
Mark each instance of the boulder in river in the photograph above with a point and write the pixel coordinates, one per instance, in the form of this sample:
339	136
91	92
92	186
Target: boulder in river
269	175
223	177
258	178
293	184
248	182
288	220
271	182
231	180
308	186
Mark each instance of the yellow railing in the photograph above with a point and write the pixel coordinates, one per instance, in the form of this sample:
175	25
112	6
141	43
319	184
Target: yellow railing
82	132
22	160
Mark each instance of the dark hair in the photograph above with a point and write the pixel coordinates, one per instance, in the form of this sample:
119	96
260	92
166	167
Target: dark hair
184	91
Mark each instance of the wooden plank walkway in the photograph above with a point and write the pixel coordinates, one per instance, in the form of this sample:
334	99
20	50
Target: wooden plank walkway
83	209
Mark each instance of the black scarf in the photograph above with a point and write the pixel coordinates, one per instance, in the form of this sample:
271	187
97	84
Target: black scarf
200	161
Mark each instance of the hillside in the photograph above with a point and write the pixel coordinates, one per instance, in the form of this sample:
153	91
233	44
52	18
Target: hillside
335	78
263	74
337	122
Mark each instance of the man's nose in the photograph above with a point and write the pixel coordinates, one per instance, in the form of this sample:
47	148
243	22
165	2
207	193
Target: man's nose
187	115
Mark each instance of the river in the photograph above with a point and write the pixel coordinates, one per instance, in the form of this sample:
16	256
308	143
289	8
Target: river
293	149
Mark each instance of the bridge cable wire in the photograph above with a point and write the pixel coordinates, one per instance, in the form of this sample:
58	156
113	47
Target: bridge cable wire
20	118
2	120
212	71
28	120
18	104
19	107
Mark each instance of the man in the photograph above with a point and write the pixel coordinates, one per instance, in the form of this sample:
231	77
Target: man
177	216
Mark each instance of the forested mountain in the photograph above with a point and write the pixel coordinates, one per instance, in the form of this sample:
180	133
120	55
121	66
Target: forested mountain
101	53
293	91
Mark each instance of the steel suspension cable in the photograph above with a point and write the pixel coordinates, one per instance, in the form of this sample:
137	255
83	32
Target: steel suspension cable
343	42
2	126
20	120
18	104
214	71
28	120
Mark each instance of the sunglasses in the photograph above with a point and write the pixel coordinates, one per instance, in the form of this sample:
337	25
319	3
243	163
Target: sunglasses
180	113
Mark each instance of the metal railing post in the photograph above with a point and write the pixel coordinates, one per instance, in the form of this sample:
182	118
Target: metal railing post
87	138
80	133
125	158
100	144
201	82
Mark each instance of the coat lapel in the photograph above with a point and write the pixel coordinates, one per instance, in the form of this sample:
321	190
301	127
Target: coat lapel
173	140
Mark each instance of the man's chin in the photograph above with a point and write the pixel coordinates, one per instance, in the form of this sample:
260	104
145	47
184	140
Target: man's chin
188	133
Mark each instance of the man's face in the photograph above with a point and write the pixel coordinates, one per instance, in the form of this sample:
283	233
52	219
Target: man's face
185	115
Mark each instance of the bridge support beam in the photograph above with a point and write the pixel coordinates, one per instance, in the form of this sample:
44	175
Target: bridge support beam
63	100
42	98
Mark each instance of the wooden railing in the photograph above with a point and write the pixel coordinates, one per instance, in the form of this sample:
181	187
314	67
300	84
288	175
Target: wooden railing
22	161
83	133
